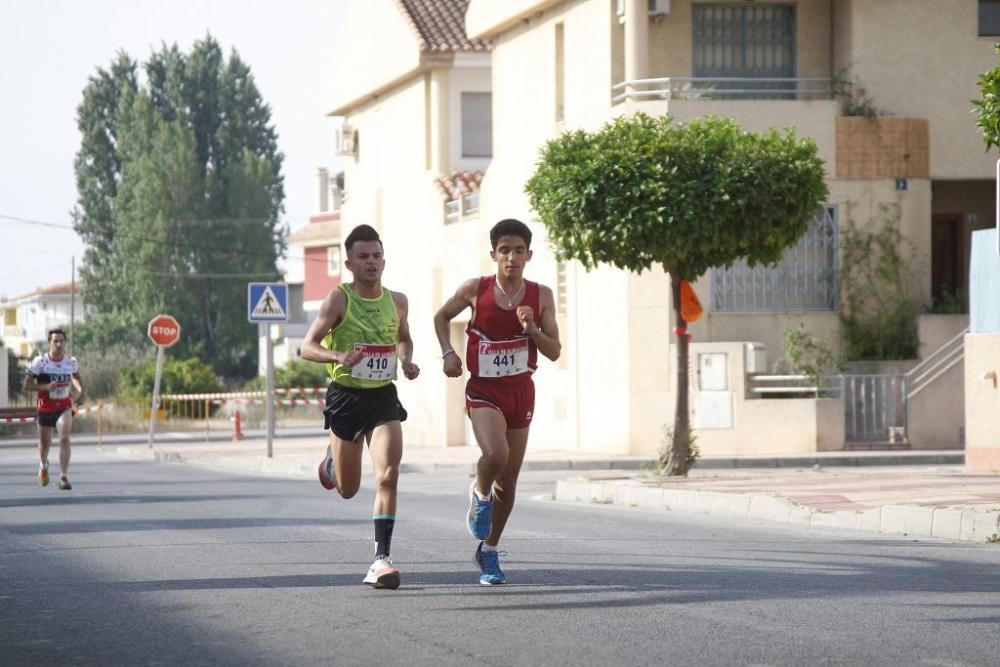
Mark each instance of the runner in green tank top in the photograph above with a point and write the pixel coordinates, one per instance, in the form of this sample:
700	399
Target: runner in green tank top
372	321
361	333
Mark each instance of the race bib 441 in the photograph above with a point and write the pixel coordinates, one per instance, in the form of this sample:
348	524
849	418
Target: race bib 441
502	358
378	362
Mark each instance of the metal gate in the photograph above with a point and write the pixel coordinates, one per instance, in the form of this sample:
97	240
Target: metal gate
874	408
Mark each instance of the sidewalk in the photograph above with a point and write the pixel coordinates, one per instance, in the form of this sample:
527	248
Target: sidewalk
920	493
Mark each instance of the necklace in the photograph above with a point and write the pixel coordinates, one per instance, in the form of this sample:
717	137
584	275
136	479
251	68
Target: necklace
510	298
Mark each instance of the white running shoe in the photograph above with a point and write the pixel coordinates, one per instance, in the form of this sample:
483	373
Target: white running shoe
382	574
326	477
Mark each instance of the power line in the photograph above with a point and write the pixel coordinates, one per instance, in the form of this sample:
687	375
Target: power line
177	243
271	275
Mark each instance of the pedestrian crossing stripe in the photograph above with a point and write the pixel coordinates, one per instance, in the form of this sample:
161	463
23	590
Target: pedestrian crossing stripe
268	305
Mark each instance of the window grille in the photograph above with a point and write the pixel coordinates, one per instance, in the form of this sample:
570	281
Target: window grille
740	40
805	278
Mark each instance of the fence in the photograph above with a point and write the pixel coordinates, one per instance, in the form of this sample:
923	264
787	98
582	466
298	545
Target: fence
187	413
875	406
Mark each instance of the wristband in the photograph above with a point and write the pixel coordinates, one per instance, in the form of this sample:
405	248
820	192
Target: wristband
450	350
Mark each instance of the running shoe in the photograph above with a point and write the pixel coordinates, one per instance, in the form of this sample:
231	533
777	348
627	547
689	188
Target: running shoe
480	514
64	483
43	477
382	574
489	567
326	477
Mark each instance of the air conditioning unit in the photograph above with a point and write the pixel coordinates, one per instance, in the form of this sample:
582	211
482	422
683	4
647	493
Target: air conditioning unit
347	140
654	7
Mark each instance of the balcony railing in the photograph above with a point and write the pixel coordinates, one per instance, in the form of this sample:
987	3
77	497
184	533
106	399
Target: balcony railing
723	88
466	206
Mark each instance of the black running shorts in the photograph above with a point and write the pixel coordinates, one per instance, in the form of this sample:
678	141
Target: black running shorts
49	418
351	412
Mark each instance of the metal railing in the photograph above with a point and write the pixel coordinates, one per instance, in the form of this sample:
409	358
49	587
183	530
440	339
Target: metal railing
795	386
936	364
714	88
875	406
465	206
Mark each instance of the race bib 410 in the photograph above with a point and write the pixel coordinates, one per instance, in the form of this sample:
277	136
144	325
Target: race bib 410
378	362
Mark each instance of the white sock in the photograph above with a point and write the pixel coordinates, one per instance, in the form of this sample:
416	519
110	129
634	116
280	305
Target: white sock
487	547
483	498
43	466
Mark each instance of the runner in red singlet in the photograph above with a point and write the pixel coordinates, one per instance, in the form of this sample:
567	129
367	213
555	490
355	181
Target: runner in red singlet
53	375
513	320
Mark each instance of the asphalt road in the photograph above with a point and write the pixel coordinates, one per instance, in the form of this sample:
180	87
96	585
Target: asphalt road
165	564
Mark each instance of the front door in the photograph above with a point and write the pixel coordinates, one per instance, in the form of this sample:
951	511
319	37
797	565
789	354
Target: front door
947	275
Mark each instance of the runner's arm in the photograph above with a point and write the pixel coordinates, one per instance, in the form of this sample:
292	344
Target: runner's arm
31	383
546	333
463	298
331	312
80	392
404	348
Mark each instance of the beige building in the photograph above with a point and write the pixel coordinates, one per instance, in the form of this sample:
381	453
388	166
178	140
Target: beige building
415	97
556	65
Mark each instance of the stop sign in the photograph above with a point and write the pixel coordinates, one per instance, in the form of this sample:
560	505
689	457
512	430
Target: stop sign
164	330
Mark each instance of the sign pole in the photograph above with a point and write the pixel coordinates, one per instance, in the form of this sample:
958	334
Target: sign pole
156	394
269	348
164	331
268	303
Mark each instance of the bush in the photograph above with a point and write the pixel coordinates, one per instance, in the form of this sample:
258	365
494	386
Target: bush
296	373
190	376
878	317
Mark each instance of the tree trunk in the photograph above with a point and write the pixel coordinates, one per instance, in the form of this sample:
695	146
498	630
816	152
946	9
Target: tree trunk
678	465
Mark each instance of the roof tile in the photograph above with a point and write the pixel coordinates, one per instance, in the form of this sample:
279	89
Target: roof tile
440	25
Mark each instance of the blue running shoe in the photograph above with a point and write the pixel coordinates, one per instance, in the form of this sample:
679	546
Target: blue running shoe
480	514
489	567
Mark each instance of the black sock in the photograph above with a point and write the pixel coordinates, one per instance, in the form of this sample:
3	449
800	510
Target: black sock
383	534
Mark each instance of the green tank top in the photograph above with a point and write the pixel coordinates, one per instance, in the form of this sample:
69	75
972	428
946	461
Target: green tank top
369	321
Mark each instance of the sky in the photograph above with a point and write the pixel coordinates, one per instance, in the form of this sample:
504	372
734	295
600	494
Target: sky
49	49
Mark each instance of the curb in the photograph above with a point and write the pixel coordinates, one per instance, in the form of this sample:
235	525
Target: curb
964	525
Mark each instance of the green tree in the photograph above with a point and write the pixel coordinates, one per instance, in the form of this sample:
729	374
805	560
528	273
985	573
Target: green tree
179	183
688	197
987	107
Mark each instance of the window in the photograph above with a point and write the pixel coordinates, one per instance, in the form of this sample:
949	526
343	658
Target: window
333	260
989	18
746	41
804	279
477	125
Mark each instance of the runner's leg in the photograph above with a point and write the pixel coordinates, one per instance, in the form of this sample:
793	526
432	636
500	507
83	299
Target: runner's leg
490	429
505	487
64	426
346	464
386	448
44	443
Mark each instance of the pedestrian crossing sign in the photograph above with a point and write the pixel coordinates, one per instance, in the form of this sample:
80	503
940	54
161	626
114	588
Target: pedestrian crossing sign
267	302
